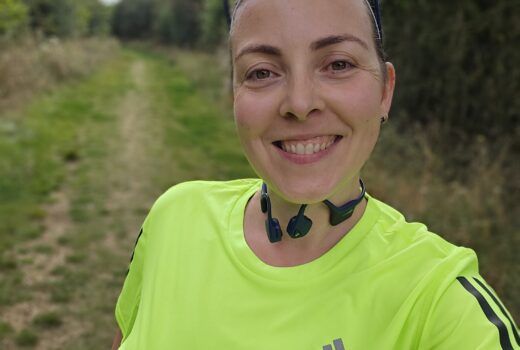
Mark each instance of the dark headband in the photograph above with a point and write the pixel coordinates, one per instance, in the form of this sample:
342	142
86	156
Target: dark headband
374	7
376	11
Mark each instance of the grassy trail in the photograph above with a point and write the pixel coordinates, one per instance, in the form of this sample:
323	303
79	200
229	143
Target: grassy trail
135	139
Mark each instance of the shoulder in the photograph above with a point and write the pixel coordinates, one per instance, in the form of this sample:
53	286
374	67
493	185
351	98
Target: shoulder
190	195
412	242
204	189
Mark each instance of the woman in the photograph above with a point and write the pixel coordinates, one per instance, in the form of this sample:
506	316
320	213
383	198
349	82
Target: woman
303	258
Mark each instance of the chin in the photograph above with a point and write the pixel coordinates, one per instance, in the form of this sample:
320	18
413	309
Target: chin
303	191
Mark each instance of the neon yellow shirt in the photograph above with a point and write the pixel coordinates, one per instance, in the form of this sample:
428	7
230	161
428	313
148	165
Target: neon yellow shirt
194	283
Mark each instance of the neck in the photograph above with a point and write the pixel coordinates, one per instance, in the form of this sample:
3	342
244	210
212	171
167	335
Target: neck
320	239
324	214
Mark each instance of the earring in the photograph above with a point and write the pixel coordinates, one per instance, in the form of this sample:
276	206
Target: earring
384	119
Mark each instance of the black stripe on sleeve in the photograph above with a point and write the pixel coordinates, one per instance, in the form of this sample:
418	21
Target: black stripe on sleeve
505	342
133	251
501	307
135	245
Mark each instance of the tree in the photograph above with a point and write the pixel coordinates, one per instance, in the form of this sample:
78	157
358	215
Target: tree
99	19
213	24
456	64
13	16
133	19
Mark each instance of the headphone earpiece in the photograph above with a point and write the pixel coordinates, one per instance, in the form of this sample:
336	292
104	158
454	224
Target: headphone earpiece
299	225
340	214
263	202
273	229
272	225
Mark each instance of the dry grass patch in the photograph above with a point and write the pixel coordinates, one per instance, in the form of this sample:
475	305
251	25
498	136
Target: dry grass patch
29	66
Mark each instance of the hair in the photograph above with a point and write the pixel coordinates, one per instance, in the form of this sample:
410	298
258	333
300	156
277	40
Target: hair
378	41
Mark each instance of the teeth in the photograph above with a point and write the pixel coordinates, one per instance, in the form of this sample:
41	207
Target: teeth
308	147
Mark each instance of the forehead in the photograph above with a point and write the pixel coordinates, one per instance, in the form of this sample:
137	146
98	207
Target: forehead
298	21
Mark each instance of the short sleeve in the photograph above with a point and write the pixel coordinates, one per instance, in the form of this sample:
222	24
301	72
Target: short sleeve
469	316
128	301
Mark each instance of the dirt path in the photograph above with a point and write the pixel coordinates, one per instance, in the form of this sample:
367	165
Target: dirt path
41	257
134	149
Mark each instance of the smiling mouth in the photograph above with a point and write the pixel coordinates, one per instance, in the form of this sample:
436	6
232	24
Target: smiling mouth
307	147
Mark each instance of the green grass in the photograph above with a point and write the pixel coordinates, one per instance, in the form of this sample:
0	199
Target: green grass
5	329
39	142
26	338
199	116
59	138
10	287
48	320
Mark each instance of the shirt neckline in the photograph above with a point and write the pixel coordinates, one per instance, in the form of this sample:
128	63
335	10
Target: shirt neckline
315	269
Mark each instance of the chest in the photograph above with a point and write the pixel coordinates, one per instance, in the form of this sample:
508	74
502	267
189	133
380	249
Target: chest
219	305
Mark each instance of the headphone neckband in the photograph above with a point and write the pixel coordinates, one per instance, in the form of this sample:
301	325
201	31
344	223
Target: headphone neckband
300	224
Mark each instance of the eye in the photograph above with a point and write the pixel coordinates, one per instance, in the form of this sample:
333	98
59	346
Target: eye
260	74
340	65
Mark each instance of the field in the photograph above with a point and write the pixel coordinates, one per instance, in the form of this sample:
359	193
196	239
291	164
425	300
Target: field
82	161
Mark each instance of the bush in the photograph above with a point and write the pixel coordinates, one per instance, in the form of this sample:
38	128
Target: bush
68	18
213	25
13	17
456	65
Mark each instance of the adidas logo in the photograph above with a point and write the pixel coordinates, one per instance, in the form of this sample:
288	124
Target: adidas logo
336	345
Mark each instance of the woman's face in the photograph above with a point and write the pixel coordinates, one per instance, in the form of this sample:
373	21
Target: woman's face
309	94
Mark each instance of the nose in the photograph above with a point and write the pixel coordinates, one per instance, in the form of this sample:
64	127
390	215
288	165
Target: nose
301	99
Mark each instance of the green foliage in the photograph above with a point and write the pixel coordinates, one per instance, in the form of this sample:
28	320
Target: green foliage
65	18
456	64
175	22
213	24
26	338
53	17
185	22
100	17
133	19
13	16
48	320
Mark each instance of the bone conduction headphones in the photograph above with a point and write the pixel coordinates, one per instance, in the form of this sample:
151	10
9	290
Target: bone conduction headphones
300	224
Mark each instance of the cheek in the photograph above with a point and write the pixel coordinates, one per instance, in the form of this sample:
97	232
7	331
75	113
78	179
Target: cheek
357	102
253	114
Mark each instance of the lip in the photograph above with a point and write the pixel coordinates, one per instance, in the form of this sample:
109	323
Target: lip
302	159
305	137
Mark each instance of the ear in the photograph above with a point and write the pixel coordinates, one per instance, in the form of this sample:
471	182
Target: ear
388	90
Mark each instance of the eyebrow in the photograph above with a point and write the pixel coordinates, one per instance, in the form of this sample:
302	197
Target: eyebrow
262	48
336	39
315	45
